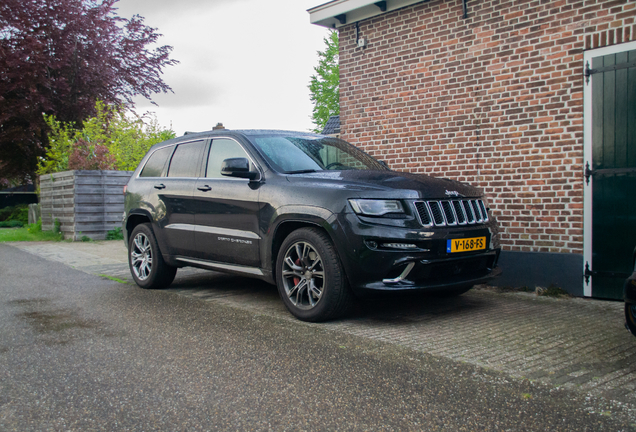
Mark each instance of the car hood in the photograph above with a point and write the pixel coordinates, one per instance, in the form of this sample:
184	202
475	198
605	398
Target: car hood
388	184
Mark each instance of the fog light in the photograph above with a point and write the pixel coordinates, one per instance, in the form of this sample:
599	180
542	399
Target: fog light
399	245
372	244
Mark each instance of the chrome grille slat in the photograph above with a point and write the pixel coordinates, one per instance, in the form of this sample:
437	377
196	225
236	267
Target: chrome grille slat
476	210
436	211
484	212
423	213
459	212
449	215
470	216
451	212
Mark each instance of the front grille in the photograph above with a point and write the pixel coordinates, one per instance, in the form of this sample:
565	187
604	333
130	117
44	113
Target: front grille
451	212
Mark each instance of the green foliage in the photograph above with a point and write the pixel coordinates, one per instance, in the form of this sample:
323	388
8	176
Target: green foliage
90	156
27	234
113	278
131	140
126	137
5	212
19	213
35	227
86	239
115	234
61	140
11	224
57	226
325	85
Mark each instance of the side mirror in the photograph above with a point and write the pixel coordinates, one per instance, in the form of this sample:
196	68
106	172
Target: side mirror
384	164
238	167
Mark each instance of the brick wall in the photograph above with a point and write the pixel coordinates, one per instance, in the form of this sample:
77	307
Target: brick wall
495	100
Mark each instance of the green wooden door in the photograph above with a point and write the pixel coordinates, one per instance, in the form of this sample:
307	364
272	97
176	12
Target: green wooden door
613	172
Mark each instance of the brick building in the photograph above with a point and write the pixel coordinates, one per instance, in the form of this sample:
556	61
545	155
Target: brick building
516	97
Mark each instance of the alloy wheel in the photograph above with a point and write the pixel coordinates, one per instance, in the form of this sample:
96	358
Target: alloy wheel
303	275
141	256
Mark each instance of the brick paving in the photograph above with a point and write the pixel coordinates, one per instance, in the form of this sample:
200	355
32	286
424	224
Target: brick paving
578	344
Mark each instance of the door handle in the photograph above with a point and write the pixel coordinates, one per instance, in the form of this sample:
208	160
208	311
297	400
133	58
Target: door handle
160	186
204	188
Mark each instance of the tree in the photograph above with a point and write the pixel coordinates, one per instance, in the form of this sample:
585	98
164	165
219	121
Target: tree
58	57
90	156
112	139
325	85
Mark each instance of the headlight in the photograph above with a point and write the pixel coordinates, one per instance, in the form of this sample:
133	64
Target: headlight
370	207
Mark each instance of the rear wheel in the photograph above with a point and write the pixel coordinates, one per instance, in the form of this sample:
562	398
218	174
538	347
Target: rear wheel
310	277
147	266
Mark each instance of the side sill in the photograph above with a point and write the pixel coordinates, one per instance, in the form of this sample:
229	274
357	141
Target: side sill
232	268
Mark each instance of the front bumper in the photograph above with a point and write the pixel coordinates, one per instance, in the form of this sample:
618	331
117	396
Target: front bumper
373	265
440	274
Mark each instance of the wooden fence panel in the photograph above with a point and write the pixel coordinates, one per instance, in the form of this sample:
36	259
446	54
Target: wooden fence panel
86	203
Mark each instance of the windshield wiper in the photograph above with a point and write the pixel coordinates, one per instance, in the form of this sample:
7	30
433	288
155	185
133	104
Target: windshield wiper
301	171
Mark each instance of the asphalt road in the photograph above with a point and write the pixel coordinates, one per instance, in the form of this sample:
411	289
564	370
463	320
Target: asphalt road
80	352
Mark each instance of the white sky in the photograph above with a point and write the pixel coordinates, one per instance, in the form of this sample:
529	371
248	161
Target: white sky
244	63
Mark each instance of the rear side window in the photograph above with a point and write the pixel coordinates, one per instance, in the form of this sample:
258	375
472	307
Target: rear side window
222	149
156	163
186	159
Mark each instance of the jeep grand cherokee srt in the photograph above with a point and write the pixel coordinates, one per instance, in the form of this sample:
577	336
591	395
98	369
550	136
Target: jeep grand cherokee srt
314	215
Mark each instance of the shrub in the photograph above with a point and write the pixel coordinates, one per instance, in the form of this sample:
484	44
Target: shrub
11	224
87	156
5	212
19	213
115	234
35	227
113	139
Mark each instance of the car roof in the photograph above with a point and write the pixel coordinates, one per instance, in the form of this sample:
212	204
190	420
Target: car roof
263	132
247	133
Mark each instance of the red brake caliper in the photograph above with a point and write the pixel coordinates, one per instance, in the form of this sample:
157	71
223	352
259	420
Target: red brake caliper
296	279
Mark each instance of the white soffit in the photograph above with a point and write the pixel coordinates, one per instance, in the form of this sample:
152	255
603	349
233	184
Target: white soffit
333	14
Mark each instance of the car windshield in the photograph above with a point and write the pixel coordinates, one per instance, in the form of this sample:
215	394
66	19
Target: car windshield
295	155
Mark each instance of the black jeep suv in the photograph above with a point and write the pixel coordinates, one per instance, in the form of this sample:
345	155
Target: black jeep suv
321	219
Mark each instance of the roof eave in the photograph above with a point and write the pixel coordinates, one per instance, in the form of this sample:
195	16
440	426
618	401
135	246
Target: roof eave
338	13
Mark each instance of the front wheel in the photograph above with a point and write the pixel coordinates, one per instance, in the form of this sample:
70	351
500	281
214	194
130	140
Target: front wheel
147	266
310	277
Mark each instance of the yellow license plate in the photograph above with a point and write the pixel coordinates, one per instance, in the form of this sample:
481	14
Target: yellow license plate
465	244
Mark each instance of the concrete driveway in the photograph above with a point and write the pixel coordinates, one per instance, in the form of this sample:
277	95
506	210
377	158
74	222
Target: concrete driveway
578	344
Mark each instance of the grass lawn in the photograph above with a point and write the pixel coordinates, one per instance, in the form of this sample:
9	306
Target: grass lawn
26	234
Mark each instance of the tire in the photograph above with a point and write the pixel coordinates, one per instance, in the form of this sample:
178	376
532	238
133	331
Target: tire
310	277
147	266
630	317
